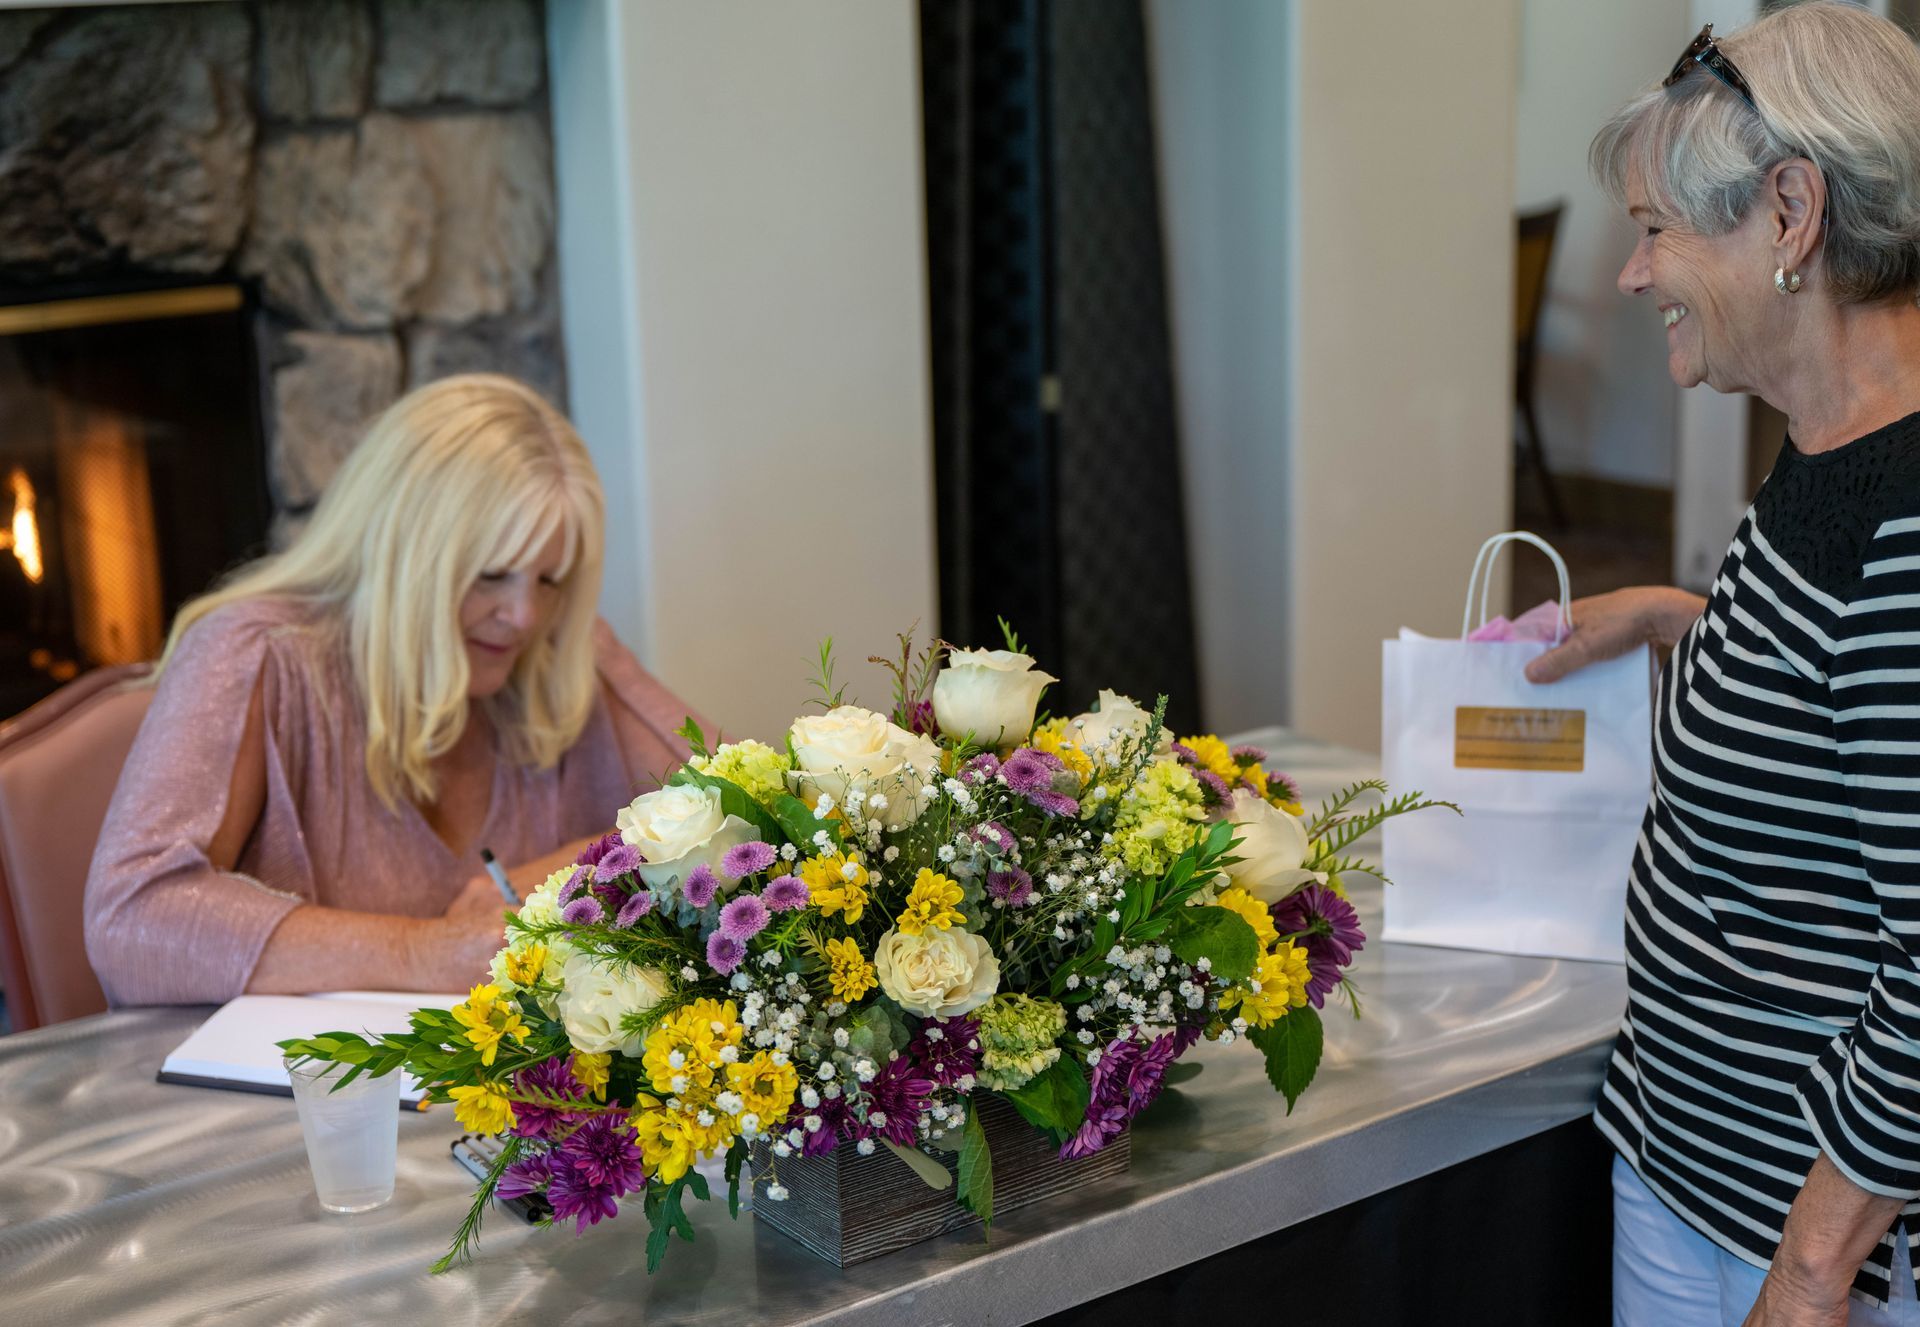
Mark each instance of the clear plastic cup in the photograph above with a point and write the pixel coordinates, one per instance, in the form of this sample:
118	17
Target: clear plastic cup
352	1134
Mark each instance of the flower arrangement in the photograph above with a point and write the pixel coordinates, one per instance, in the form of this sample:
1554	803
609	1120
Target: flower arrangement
848	940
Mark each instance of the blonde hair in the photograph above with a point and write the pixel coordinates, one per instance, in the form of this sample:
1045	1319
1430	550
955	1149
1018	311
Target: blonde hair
1833	83
465	475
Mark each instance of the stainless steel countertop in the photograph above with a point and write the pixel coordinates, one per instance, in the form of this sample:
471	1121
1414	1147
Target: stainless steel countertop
123	1200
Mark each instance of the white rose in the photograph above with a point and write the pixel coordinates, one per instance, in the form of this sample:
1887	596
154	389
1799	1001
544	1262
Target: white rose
990	694
937	974
848	748
594	998
1117	719
1273	850
678	829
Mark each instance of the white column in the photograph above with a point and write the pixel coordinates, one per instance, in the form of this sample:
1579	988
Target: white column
743	252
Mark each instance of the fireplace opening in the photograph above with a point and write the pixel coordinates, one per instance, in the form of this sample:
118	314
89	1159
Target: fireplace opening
132	474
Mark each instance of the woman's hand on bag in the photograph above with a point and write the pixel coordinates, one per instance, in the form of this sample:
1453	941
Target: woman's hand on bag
1606	626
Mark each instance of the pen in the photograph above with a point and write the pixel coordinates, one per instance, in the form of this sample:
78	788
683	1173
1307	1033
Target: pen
499	877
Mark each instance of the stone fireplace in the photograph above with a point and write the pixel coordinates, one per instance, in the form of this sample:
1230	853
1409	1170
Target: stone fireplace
371	179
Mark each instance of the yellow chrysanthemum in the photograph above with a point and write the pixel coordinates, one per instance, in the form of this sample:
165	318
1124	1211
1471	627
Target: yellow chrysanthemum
1250	910
836	883
1277	987
590	1071
487	1019
669	1141
766	1087
848	971
682	1056
524	966
1214	756
481	1109
1255	778
932	904
1051	738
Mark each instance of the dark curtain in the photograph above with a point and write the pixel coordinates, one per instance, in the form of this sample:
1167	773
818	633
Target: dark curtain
1056	456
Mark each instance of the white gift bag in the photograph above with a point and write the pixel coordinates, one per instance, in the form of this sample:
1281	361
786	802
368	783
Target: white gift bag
1552	781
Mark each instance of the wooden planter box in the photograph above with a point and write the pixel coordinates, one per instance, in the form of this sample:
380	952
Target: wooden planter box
848	1208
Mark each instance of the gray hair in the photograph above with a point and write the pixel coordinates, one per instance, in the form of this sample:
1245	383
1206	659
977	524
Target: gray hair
1833	83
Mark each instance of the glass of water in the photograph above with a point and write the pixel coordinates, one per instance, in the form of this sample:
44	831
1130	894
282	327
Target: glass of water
352	1133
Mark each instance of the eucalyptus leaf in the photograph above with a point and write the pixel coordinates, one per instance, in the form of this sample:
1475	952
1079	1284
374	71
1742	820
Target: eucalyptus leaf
936	1175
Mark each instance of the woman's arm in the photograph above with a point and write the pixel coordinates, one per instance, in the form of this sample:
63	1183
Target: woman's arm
1606	626
1831	1228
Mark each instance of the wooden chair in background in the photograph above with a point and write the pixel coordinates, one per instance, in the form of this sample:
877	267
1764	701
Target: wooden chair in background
1533	256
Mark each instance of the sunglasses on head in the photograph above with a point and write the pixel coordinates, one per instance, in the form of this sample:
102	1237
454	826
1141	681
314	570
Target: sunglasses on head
1705	52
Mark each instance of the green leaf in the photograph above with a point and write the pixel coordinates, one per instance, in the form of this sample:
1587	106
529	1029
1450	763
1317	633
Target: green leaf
936	1175
1221	937
734	801
1054	1099
698	1183
976	1169
735	1156
1292	1046
797	821
696	741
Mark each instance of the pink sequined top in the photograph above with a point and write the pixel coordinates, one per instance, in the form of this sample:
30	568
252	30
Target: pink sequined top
164	927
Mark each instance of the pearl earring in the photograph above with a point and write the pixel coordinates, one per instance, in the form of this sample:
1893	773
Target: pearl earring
1784	281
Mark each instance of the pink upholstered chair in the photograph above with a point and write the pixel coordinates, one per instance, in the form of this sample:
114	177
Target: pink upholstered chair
59	762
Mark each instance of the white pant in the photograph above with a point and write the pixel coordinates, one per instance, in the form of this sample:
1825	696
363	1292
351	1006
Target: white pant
1667	1274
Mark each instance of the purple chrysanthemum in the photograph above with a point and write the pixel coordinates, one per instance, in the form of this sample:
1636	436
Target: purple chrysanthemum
1250	755
896	1097
599	848
725	953
1285	784
619	860
993	838
1053	803
946	1049
583	911
784	893
700	885
1126	1081
920	719
551	1078
1028	770
1010	886
633	910
981	768
1215	785
747	858
744	918
1328	927
1185	754
525	1176
597	1165
832	1114
575	883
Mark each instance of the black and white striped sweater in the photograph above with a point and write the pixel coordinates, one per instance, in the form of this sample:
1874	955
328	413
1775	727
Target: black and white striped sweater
1773	915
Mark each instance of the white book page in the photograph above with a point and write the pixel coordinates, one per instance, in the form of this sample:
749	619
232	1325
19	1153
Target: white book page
238	1043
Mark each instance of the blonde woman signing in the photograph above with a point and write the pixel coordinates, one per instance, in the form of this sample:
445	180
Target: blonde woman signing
339	729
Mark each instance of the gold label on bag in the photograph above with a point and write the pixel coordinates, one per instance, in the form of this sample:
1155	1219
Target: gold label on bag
1550	741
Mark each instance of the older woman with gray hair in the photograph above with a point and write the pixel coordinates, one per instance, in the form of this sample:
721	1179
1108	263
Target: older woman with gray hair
1764	1093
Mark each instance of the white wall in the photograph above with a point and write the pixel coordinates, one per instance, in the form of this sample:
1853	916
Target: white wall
1607	406
1338	195
742	252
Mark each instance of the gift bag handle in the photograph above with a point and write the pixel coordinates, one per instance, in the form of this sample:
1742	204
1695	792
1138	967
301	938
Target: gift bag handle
1482	577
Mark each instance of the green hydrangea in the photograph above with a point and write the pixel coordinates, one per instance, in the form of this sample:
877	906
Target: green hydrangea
1018	1039
1160	817
754	766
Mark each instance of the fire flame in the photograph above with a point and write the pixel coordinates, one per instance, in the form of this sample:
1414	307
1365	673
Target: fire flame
24	537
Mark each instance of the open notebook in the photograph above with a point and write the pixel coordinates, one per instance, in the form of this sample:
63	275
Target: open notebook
236	1048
